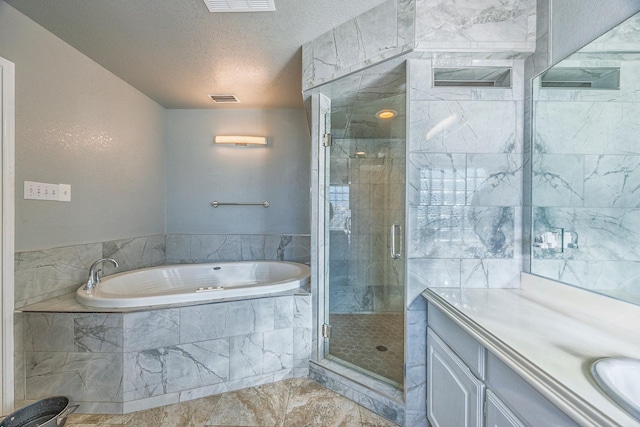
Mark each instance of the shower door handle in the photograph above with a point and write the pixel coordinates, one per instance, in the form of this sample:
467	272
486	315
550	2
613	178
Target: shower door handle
395	249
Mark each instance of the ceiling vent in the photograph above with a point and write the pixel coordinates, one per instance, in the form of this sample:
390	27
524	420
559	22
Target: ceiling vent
225	99
240	5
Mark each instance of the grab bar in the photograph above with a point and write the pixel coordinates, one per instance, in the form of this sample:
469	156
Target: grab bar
395	254
216	203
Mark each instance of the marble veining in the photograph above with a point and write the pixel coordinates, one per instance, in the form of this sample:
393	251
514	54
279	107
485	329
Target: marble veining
48	273
289	402
488	29
98	333
461	127
190	248
337	378
442	24
122	362
150	329
44	274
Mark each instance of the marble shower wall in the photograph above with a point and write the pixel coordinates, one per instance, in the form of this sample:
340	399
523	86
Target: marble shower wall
465	170
586	171
114	363
363	276
464	202
465	180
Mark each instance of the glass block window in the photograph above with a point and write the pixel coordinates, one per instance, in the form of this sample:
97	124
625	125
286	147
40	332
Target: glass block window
340	210
441	187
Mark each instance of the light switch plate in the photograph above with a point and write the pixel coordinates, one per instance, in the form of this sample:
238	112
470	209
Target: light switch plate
45	191
64	192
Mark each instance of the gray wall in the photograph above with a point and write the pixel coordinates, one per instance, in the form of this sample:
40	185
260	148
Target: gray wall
199	171
78	124
577	22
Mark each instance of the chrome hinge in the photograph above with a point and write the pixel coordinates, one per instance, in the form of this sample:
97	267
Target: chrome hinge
326	331
326	140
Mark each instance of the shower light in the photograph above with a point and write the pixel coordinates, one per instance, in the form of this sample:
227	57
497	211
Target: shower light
241	141
386	114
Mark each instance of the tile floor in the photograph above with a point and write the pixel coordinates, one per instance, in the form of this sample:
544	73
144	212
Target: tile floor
288	403
355	338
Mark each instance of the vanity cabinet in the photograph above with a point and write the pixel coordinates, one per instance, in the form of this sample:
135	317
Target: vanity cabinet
468	386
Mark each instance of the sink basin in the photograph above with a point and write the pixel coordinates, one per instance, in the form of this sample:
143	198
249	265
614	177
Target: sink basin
619	377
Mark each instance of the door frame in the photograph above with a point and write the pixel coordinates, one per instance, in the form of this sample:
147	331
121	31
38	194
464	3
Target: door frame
7	250
320	113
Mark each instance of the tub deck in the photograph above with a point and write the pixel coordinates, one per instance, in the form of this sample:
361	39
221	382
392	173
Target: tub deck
67	303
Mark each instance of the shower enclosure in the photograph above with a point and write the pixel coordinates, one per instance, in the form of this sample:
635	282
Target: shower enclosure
360	217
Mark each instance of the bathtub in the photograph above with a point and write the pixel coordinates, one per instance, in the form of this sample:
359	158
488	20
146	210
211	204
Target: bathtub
194	283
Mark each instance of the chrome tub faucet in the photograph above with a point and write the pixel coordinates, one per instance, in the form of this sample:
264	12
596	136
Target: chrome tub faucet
94	275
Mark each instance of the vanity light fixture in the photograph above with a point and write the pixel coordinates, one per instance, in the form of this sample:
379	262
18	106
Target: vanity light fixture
241	141
386	114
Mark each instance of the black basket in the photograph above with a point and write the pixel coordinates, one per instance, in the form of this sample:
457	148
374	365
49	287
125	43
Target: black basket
49	412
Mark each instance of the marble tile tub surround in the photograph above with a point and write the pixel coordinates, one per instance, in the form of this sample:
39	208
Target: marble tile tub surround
114	363
566	328
194	248
482	30
585	170
48	273
45	274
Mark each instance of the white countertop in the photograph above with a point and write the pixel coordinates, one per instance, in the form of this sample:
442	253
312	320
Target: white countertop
550	334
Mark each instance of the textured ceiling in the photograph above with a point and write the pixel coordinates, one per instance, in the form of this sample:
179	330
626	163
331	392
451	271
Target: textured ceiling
177	52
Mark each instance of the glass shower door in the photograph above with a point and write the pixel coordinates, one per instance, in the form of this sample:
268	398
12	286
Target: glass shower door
364	229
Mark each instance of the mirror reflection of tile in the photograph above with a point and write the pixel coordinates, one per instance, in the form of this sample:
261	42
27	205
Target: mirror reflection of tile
586	165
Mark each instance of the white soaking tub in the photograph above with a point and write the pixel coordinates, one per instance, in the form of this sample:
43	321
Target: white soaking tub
194	283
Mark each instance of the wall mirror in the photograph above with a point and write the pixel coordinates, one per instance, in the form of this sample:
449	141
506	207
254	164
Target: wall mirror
586	166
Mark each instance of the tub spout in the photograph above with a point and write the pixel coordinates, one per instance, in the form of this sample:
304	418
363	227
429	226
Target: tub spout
94	275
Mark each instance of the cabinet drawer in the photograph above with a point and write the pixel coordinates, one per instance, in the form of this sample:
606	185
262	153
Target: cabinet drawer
468	349
527	403
498	415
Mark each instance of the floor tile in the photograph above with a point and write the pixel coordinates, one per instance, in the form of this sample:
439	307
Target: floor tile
374	342
296	402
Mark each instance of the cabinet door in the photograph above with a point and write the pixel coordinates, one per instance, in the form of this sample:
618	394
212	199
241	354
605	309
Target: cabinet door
454	395
523	400
498	415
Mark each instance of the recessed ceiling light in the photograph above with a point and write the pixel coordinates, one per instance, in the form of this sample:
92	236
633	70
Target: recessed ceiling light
386	114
